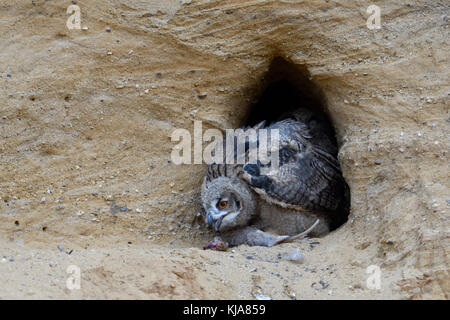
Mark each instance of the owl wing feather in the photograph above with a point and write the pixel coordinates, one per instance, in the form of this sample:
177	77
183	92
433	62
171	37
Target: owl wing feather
308	177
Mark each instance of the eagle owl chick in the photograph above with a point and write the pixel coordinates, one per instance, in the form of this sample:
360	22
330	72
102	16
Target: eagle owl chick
306	193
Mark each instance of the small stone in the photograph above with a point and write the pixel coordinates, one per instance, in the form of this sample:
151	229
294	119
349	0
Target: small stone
124	208
85	28
202	95
60	248
377	162
294	256
138	210
324	284
260	296
108	29
43	199
346	101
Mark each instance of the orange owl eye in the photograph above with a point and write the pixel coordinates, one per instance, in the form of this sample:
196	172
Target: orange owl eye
222	204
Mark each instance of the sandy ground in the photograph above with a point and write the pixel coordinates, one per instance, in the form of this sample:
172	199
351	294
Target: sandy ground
85	123
148	271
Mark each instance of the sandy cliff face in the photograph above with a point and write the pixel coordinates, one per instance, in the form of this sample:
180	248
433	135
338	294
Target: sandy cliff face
85	124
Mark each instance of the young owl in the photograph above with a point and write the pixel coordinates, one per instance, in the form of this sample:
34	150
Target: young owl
306	193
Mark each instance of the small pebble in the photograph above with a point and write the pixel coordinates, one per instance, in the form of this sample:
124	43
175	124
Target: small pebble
324	284
260	296
378	162
60	248
294	256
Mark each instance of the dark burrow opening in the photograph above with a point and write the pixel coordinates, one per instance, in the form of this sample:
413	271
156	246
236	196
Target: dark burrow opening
286	88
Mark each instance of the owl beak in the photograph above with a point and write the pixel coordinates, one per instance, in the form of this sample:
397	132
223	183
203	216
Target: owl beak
215	223
218	223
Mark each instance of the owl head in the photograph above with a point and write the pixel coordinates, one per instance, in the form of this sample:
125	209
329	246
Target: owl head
228	203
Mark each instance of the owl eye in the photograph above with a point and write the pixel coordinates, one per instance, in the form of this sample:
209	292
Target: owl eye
222	204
